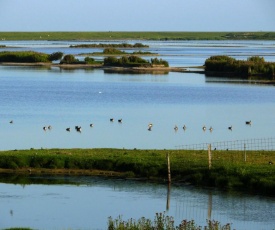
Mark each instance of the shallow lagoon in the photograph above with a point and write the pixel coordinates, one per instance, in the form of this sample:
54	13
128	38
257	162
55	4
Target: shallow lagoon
35	97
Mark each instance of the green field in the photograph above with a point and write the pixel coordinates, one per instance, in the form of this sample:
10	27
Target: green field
229	171
111	35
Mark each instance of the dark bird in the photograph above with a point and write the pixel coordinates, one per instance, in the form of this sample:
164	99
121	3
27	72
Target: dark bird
120	120
230	127
270	162
210	129
78	128
111	119
176	128
203	128
91	125
11	122
184	127
248	122
49	127
45	128
68	129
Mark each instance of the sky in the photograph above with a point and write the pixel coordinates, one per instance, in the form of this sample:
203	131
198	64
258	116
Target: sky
137	15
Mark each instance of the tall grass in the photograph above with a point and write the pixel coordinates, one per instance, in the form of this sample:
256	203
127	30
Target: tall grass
229	171
162	222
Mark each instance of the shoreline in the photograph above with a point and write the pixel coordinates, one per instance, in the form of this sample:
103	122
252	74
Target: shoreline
224	77
98	66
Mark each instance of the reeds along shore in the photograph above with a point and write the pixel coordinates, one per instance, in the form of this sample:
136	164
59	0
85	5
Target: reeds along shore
228	170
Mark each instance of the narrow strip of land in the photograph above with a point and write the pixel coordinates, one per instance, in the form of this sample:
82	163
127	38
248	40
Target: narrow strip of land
141	35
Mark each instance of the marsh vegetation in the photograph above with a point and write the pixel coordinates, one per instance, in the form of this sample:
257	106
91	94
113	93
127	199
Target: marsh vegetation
229	171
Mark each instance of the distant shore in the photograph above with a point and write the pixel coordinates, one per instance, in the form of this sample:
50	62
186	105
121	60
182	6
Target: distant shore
135	35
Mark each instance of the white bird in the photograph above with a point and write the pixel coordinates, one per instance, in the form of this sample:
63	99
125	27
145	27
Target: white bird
204	128
210	129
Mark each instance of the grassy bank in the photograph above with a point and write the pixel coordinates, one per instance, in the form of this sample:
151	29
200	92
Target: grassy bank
229	170
137	35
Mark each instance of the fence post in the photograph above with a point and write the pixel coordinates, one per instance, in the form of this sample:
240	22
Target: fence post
168	168
209	156
244	152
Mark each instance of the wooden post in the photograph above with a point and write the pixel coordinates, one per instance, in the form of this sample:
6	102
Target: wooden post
209	156
168	168
244	152
168	197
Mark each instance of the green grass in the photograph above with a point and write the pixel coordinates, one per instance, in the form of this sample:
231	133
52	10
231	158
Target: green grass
112	35
229	171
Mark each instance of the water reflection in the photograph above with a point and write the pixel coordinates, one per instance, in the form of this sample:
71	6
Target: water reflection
84	202
135	71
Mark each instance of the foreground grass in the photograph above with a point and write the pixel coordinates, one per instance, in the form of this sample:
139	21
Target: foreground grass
137	35
162	222
229	171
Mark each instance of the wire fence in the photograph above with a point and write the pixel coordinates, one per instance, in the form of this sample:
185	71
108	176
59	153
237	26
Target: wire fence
265	144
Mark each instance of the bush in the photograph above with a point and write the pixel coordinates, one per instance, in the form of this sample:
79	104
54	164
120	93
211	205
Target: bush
55	56
253	66
156	61
69	59
112	51
125	61
24	56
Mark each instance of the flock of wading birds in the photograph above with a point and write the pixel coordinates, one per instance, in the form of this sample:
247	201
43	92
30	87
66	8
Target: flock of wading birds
150	126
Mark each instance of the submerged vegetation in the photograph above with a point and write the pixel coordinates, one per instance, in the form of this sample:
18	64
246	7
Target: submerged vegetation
252	66
229	171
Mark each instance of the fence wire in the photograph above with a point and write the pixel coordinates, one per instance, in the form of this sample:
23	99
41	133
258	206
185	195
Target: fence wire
266	144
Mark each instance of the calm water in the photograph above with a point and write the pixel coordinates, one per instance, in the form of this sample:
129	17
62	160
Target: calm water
37	97
88	205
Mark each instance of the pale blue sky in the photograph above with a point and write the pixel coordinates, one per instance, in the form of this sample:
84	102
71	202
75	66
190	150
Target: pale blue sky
137	15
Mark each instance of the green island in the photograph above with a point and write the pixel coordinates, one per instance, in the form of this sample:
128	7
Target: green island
229	171
69	61
141	35
254	66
